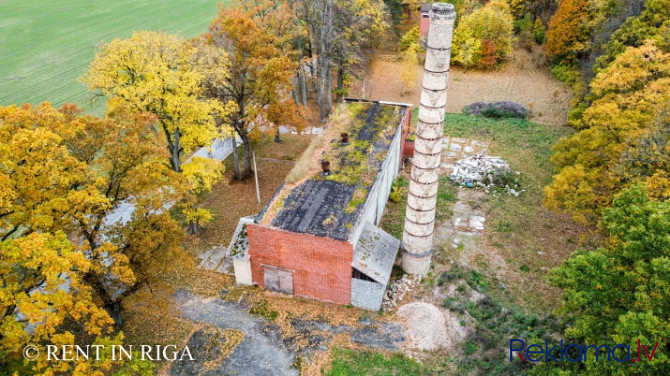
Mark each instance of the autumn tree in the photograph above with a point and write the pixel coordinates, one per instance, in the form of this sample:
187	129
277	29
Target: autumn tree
489	29
568	37
156	73
260	79
647	158
409	68
69	172
339	32
620	293
359	26
626	100
653	23
62	173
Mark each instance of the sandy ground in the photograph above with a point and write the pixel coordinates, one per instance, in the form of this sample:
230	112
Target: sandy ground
518	80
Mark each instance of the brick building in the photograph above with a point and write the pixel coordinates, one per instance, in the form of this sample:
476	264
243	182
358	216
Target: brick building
424	22
318	236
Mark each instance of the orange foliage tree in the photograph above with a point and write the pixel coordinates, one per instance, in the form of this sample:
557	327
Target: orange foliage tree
568	35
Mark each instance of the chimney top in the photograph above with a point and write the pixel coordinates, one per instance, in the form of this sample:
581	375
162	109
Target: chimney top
444	9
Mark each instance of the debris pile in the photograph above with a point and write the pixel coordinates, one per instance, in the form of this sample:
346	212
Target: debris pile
487	172
479	170
398	290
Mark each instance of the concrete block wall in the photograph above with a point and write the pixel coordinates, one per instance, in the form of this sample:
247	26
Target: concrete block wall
321	266
366	294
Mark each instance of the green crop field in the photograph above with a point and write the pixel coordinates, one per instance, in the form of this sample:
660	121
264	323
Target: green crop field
46	45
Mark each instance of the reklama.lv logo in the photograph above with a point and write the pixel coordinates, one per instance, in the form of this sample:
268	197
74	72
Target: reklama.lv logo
575	353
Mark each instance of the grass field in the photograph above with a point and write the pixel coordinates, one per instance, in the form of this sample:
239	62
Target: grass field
46	45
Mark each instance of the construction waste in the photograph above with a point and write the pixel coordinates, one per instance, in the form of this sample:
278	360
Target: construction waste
487	172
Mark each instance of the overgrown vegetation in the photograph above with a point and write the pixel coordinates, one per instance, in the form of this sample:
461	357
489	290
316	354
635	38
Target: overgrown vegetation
394	216
495	323
518	229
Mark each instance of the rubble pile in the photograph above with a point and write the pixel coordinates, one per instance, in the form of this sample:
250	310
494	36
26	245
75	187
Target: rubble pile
487	172
398	290
479	170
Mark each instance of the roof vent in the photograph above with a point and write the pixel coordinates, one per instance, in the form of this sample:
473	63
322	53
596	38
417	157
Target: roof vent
344	138
325	166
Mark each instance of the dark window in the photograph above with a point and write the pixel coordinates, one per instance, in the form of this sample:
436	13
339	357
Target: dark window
358	275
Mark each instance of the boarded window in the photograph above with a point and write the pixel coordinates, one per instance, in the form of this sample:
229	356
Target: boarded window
279	280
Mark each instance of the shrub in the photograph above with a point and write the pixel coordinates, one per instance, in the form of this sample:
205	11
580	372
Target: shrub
483	38
539	31
411	38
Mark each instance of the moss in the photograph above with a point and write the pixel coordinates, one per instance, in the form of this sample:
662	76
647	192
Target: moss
356	163
358	197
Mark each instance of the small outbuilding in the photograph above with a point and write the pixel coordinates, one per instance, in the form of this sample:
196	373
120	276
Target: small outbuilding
318	236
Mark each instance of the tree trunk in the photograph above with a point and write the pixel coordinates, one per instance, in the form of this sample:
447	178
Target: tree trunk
340	83
301	74
193	228
175	151
329	90
303	86
319	94
247	153
236	160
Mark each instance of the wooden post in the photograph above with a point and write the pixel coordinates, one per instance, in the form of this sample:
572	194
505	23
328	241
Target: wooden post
258	192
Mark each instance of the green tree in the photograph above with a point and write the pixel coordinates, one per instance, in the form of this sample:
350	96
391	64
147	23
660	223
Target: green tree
621	293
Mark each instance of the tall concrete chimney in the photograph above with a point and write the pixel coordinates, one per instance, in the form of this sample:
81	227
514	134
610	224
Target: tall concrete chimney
417	238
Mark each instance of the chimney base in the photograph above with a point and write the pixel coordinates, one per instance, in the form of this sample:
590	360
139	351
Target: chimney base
416	264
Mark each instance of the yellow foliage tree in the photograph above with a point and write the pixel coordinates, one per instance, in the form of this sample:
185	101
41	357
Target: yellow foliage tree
490	26
409	71
627	97
64	173
153	72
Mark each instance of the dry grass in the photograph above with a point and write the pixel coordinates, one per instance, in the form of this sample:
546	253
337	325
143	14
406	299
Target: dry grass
518	80
305	163
231	199
150	316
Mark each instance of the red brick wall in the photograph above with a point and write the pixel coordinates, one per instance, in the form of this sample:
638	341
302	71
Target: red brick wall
424	25
322	266
406	127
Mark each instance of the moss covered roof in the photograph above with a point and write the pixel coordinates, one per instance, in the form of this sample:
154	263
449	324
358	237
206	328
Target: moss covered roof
329	206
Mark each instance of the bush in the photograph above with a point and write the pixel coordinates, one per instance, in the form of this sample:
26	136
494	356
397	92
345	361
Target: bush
410	39
498	110
483	38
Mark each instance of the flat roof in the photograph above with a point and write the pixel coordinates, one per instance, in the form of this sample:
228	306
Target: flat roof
330	206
